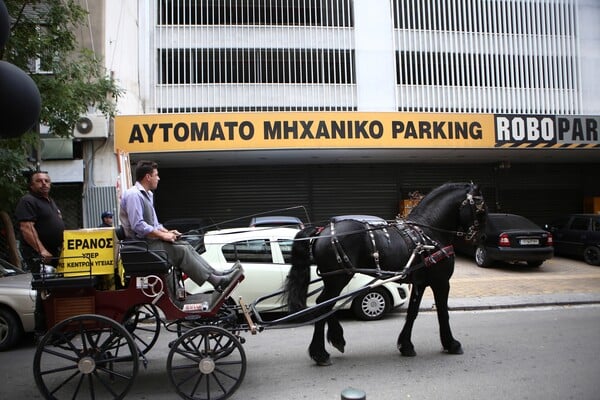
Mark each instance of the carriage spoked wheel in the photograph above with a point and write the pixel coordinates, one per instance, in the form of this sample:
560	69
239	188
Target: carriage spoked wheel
86	357
226	318
206	363
143	322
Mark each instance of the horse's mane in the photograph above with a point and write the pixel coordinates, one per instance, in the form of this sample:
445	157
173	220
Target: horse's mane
429	208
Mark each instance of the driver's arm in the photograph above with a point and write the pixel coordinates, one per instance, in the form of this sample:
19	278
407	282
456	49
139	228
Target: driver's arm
30	235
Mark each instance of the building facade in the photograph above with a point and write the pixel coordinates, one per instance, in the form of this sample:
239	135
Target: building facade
348	106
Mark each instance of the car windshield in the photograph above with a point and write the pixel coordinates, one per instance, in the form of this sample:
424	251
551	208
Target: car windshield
510	221
580	223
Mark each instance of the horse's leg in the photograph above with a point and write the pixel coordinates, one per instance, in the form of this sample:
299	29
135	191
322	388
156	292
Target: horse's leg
441	291
335	332
316	350
404	343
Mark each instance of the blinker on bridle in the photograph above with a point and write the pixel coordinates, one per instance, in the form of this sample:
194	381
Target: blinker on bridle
478	206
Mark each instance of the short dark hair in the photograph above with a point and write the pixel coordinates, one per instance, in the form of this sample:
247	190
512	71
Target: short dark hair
144	167
34	173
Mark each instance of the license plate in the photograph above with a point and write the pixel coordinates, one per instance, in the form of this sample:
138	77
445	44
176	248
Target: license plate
529	241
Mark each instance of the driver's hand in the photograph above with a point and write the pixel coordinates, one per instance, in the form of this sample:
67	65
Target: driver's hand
46	256
169	236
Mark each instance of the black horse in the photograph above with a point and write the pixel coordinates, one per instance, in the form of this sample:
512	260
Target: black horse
349	245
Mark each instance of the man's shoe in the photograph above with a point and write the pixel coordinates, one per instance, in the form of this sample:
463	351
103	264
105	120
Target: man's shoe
234	268
225	281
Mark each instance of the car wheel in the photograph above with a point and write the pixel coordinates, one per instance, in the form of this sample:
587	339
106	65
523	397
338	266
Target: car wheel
10	329
371	305
535	264
591	255
481	257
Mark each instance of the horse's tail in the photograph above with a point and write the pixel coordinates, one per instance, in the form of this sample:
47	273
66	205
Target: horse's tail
298	279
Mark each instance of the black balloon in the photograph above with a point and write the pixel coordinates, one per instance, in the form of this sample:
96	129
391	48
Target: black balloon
4	24
20	101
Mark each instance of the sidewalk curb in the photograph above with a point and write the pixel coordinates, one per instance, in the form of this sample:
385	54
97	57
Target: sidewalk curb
506	302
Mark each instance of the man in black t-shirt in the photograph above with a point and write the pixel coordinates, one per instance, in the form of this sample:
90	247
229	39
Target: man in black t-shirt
40	223
41	226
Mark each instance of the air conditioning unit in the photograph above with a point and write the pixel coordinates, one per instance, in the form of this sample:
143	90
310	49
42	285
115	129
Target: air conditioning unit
91	127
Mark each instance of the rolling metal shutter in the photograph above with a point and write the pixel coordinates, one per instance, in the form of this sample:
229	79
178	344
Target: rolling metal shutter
229	196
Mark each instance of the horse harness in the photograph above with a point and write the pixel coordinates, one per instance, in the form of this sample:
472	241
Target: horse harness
412	235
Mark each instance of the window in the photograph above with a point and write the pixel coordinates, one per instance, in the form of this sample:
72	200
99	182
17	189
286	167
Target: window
254	251
454	69
268	66
499	17
257	12
580	224
286	250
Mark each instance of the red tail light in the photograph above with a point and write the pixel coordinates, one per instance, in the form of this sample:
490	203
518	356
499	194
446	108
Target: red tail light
550	241
504	241
184	276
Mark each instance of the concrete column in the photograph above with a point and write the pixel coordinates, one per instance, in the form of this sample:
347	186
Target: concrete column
375	59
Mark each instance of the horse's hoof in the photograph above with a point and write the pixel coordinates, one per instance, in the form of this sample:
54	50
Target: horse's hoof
324	363
456	348
407	352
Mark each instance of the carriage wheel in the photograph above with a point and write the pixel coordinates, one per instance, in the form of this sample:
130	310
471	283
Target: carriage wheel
86	357
206	363
226	318
143	322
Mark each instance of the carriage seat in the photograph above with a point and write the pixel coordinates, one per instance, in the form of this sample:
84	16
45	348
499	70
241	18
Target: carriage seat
139	260
365	219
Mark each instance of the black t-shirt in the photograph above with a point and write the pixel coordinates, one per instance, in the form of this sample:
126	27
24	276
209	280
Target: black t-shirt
47	220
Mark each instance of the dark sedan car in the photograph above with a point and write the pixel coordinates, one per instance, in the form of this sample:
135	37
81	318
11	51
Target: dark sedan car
577	235
511	238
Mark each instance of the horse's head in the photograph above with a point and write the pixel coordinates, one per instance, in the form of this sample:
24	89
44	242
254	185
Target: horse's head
472	214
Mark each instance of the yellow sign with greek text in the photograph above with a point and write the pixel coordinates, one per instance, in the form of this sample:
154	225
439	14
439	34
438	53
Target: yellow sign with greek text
301	130
88	251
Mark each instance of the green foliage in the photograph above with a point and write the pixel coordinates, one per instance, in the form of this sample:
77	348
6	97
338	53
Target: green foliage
13	162
75	79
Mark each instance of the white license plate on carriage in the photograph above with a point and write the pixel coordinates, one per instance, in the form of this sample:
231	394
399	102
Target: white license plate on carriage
526	242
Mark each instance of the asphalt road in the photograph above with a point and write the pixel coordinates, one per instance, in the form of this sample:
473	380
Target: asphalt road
527	334
531	353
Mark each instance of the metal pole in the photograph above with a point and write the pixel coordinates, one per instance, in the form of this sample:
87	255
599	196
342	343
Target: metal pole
353	394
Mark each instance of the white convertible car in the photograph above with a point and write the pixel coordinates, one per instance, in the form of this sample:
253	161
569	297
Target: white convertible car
265	255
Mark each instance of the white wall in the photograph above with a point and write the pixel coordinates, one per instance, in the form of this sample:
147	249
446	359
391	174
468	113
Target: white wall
122	43
589	31
375	63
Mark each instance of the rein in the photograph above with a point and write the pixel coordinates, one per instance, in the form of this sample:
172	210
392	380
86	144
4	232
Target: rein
434	228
